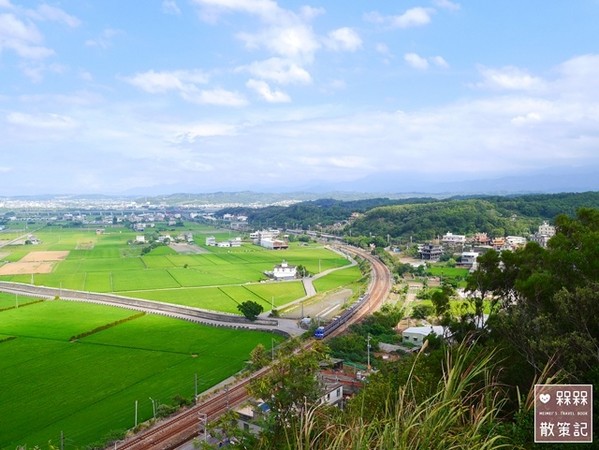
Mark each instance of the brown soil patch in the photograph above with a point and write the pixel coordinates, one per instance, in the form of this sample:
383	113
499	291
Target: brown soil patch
44	256
89	245
19	268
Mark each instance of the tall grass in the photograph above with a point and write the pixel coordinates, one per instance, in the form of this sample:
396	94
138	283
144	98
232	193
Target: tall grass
462	413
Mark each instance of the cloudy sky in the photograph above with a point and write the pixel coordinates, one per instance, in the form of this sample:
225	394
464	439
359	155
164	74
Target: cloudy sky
118	96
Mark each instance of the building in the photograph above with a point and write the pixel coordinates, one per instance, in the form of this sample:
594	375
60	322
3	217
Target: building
274	244
515	241
543	235
417	335
284	271
211	241
468	259
453	239
430	252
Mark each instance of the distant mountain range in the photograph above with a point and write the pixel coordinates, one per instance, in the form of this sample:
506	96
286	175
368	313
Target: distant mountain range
383	184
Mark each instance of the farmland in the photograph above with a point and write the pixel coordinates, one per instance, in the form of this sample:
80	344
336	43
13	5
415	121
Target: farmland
89	387
112	263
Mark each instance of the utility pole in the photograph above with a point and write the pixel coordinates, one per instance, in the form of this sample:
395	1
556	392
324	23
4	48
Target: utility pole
135	413
153	406
272	349
16	300
203	419
368	349
196	387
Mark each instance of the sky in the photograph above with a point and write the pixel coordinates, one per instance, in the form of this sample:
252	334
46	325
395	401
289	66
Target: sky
164	96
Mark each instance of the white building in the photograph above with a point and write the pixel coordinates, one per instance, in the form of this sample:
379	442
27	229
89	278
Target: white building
453	239
211	241
515	241
284	271
468	259
417	335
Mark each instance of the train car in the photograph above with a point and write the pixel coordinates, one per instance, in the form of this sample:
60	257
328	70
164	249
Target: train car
319	333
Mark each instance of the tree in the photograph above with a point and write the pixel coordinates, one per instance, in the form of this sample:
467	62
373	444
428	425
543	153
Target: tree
250	309
259	357
290	386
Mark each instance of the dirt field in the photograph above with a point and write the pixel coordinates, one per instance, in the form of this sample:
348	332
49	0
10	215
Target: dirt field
4	254
34	262
19	268
44	256
187	248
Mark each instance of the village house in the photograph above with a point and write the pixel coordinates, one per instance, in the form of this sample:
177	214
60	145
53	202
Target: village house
430	252
417	335
284	271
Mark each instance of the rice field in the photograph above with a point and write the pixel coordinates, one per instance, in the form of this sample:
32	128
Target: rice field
88	388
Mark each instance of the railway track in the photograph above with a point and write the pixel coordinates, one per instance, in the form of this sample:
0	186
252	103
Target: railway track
188	424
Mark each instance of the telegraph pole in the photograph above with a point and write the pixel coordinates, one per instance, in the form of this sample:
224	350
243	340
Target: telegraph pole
368	349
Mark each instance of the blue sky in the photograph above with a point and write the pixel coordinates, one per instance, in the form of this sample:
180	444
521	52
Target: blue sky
118	96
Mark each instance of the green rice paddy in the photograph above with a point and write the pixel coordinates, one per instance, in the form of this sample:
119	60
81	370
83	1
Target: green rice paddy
87	388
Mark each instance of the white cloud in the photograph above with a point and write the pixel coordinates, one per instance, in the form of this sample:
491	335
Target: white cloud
191	133
266	9
170	7
413	17
509	78
309	12
529	118
282	71
344	39
5	169
439	61
52	13
268	94
416	61
22	38
217	97
6	4
382	48
105	39
160	82
294	41
447	4
48	121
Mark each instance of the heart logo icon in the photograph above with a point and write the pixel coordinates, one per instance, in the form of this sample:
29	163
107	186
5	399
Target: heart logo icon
544	398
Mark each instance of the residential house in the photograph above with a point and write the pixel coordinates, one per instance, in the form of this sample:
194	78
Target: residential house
430	252
284	271
417	335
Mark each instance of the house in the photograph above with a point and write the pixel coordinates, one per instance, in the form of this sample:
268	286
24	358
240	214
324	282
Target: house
224	244
211	241
481	239
453	239
468	259
417	335
332	392
274	244
430	252
498	243
543	235
140	239
284	271
516	241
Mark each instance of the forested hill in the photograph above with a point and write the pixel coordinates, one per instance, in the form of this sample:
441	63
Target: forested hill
425	218
309	214
497	216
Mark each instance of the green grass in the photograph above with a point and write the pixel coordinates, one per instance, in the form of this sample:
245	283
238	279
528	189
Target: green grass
226	298
88	388
450	272
337	279
109	263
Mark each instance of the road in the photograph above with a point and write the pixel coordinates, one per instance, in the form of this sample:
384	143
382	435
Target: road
186	425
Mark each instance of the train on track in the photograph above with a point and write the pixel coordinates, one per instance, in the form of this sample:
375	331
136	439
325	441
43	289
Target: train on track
324	331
